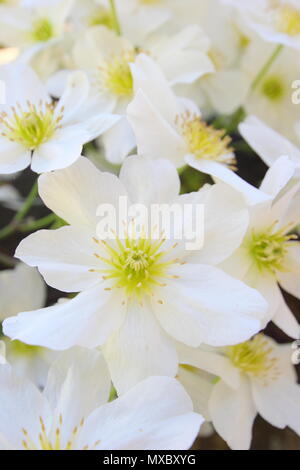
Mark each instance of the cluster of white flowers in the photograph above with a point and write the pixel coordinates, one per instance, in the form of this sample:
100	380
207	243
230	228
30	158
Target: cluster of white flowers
126	99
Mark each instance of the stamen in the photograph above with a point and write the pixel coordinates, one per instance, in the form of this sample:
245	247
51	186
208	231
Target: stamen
114	75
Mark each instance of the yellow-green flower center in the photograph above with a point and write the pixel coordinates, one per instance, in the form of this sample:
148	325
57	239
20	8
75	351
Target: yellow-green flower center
287	20
273	88
269	249
135	265
254	357
204	141
31	125
114	75
18	348
43	30
101	17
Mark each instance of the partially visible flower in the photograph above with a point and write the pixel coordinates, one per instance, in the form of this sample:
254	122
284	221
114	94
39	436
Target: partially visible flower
170	127
254	377
151	288
33	25
38	132
276	21
269	255
72	413
271	99
2	353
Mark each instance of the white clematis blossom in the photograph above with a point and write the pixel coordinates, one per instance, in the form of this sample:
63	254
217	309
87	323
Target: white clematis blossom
173	128
73	414
254	377
37	132
147	288
276	21
270	252
2	353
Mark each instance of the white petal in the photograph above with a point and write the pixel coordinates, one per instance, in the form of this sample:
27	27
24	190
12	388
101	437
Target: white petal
155	137
64	257
290	278
150	182
60	152
31	296
285	320
87	320
210	361
74	96
22	406
78	382
233	413
278	176
119	141
205	305
199	386
220	172
155	414
76	192
266	142
139	349
13	157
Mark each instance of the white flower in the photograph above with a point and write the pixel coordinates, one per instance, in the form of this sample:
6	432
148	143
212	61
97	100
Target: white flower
173	128
35	24
72	413
276	21
136	294
36	131
31	290
271	100
270	252
106	58
253	377
28	361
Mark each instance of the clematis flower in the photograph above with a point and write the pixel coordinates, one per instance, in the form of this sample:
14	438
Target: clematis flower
269	254
37	132
276	21
72	413
271	100
33	25
173	128
2	353
106	58
148	288
28	361
254	377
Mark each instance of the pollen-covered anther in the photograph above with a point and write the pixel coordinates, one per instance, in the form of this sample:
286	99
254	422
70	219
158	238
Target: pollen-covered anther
204	141
255	357
114	75
31	125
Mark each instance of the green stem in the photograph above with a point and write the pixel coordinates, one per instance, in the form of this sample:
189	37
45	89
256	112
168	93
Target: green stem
37	224
22	212
266	67
115	18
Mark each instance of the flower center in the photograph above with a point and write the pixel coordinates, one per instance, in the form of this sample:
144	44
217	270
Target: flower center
254	357
269	249
273	88
287	20
101	17
135	264
42	30
30	126
115	75
204	141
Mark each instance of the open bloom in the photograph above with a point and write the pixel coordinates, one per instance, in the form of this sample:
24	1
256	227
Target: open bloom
72	413
270	252
174	129
33	25
137	293
35	130
276	21
256	376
